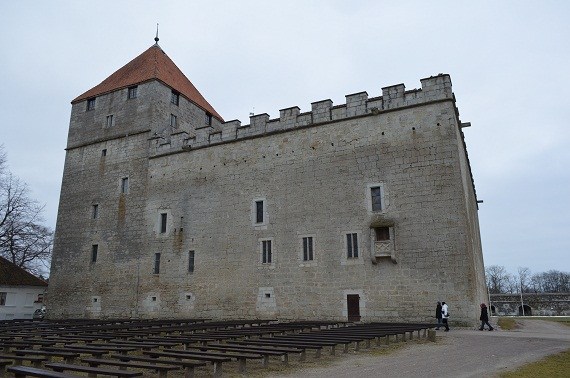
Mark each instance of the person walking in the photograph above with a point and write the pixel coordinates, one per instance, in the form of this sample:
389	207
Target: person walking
438	315
484	318
445	315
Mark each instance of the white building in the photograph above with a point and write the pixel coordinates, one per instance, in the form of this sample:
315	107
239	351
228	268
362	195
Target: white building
21	293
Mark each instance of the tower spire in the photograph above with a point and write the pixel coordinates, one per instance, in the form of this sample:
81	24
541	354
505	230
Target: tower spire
156	38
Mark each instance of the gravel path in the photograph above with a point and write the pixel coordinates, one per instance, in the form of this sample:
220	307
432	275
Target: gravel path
458	353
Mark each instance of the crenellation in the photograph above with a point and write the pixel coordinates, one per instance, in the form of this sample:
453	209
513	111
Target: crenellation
393	96
229	129
356	104
338	112
321	111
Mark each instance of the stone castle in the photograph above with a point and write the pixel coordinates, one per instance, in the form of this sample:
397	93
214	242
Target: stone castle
361	211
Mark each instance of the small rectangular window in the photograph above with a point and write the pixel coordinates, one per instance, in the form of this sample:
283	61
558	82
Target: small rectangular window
95	211
91	103
376	196
132	92
175	98
163	220
208	119
382	233
258	211
94	251
156	263
125	185
173	120
109	121
3	296
104	152
266	256
191	261
308	248
352	246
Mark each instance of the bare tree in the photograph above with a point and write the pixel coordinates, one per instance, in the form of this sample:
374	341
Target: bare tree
23	238
498	279
552	281
524	280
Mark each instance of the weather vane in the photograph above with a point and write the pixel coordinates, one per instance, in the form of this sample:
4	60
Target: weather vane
156	38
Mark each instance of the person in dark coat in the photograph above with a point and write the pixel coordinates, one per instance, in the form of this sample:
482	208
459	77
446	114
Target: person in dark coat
438	315
484	318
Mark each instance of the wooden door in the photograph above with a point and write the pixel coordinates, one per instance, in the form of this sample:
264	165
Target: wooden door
353	306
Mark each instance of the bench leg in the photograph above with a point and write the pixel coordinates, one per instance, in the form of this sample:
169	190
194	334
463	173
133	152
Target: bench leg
303	355
189	372
387	339
217	369
37	364
285	358
345	349
333	350
162	373
318	353
241	367
265	361
367	343
357	345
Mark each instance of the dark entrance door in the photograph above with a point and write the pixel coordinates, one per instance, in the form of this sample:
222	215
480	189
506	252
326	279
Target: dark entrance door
353	306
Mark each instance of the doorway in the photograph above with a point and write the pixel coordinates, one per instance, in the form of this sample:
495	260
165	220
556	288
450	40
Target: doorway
353	307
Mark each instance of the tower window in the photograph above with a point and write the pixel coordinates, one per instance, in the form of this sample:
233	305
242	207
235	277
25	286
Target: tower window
382	233
208	119
156	263
94	251
266	252
376	197
109	121
352	246
175	98
163	221
308	248
103	152
125	185
173	120
132	92
95	211
91	103
191	255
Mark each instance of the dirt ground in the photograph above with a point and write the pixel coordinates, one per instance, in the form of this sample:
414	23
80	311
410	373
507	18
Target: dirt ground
458	353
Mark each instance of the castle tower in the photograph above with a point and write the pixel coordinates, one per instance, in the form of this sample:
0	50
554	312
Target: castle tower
359	211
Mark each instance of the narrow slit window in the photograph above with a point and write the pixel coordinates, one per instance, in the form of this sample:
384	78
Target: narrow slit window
109	121
163	222
156	263
95	211
191	255
266	253
352	246
173	120
308	248
103	152
258	211
125	185
94	252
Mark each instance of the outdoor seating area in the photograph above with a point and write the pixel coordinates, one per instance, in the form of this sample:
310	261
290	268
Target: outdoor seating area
178	348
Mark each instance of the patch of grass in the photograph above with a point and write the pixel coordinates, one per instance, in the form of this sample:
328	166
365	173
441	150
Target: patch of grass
557	365
559	319
507	323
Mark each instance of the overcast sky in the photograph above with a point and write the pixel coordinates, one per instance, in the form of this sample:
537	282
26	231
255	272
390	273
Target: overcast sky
508	60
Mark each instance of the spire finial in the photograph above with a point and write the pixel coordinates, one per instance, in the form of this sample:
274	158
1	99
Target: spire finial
156	38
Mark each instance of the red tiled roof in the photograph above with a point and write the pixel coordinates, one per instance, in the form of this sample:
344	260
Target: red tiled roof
13	275
153	64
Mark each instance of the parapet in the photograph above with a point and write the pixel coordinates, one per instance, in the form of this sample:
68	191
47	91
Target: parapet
434	88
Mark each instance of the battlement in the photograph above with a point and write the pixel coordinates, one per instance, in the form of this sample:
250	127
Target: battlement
434	88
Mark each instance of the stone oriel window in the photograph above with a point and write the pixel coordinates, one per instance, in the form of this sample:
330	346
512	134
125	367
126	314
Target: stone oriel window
352	246
132	93
382	233
175	97
91	103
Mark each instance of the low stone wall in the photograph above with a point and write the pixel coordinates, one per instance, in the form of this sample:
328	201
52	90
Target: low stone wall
545	304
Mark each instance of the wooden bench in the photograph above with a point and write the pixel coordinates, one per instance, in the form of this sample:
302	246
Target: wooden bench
94	352
3	364
215	360
265	353
161	369
68	356
35	360
26	371
187	365
93	371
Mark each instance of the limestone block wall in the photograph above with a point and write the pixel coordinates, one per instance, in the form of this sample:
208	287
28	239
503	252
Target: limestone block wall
313	173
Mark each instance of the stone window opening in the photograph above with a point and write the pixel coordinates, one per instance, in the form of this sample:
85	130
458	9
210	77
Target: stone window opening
308	248
208	119
376	197
156	263
95	211
267	295
103	152
132	93
125	185
173	121
94	252
175	98
383	241
266	252
109	121
91	103
191	256
163	222
3	296
352	245
259	211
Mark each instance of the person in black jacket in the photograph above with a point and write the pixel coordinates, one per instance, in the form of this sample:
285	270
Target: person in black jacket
438	315
484	318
